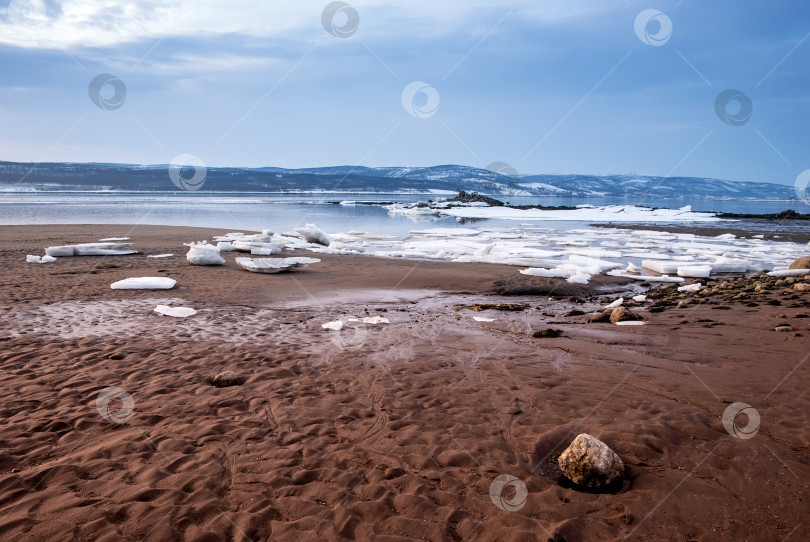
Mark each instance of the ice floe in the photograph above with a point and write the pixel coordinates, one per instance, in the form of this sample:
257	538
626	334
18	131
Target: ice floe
483	319
30	258
690	287
337	325
114	239
788	272
160	255
274	265
313	234
144	283
203	254
177	312
91	249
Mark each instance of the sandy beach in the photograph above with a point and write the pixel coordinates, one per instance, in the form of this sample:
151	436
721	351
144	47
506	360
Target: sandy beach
384	432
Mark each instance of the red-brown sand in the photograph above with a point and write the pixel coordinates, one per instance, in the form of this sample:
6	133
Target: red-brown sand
392	432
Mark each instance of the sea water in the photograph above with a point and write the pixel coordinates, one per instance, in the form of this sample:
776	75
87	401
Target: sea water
284	212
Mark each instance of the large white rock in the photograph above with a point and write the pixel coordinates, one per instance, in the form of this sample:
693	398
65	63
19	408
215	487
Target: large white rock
589	462
91	249
274	265
144	283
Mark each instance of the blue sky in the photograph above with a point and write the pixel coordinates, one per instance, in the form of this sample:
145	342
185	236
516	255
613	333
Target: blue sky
548	86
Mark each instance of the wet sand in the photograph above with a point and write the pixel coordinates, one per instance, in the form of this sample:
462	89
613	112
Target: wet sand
383	432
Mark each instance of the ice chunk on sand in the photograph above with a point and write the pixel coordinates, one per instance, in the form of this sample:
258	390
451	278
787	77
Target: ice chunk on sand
483	319
690	287
113	239
660	266
337	325
617	303
630	323
313	234
39	259
203	254
639	298
144	283
788	272
695	271
160	255
91	249
177	312
645	278
225	246
274	265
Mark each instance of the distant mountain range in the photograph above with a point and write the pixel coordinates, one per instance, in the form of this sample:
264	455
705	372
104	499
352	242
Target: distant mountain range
25	177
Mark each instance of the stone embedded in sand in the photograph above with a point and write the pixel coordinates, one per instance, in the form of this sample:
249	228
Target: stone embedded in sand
589	462
620	314
802	287
547	333
784	328
599	318
801	263
225	379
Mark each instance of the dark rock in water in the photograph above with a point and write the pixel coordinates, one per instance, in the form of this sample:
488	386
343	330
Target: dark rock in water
621	314
547	333
801	263
225	379
599	318
591	463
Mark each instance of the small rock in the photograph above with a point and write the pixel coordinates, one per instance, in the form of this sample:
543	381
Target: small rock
801	263
116	356
589	462
784	328
599	318
620	314
547	333
683	303
225	379
575	312
801	287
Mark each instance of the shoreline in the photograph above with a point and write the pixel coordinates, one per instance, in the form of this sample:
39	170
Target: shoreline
387	430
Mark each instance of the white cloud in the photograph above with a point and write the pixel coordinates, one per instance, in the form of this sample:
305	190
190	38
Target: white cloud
76	24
